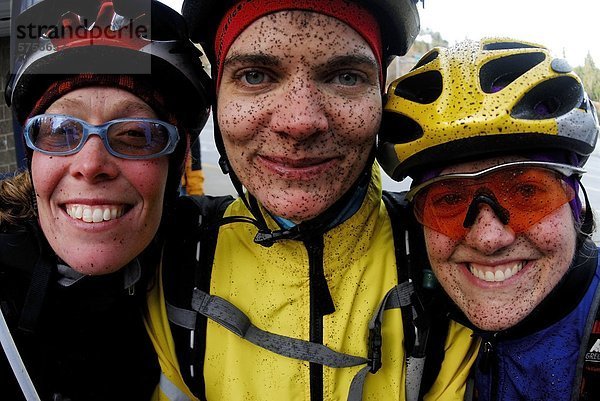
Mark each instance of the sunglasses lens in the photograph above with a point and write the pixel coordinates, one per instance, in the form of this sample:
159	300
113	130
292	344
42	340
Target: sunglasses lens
533	194
138	138
443	207
126	138
55	134
528	194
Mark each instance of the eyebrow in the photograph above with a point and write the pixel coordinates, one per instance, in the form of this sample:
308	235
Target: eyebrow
341	61
348	60
125	106
256	58
129	106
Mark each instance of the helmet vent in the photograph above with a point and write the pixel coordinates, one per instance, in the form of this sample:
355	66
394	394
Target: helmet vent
398	128
509	46
501	72
426	59
549	99
422	88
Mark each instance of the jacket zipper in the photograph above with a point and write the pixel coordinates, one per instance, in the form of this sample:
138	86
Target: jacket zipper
489	364
320	305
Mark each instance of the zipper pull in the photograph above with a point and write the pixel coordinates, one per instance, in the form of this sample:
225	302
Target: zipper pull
488	356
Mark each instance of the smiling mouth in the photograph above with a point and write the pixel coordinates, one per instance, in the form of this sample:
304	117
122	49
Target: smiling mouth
297	169
497	275
95	214
307	162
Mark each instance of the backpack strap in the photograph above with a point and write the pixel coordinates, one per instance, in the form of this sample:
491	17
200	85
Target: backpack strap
233	319
191	273
189	252
587	378
424	333
22	250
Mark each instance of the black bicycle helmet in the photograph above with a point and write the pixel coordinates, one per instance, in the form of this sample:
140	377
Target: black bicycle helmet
144	38
399	22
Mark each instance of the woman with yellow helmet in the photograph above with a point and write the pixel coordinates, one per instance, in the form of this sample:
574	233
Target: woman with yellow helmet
495	135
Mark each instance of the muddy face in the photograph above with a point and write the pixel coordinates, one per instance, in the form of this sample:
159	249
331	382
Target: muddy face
299	106
498	277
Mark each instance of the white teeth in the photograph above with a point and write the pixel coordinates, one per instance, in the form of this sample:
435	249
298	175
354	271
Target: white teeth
499	275
97	215
94	214
496	275
87	215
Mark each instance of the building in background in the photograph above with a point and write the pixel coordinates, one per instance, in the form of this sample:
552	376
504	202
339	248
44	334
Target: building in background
12	154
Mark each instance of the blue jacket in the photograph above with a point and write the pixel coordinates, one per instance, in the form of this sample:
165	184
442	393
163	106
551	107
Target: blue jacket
538	360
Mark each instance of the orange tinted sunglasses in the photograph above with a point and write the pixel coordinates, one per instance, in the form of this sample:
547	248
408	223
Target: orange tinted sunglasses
520	193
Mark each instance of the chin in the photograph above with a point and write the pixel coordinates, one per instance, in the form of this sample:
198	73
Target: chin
297	209
97	268
496	325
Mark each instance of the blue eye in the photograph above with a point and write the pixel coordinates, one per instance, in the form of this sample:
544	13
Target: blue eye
254	77
347	79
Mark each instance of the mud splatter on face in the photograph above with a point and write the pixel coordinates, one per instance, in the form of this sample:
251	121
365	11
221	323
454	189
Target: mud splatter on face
299	108
498	277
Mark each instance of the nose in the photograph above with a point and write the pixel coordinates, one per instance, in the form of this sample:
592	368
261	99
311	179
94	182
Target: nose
300	113
488	233
93	162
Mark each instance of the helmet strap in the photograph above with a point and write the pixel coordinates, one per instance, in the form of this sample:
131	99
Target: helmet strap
587	226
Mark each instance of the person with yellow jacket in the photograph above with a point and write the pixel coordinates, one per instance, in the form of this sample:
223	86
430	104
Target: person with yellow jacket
192	181
296	292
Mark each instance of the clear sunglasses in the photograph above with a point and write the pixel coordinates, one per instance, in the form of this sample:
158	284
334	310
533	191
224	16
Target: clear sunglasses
127	138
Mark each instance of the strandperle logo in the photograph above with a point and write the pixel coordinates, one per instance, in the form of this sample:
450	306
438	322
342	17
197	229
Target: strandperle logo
28	35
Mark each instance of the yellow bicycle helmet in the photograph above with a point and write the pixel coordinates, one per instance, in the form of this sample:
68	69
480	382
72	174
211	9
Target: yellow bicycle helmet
479	98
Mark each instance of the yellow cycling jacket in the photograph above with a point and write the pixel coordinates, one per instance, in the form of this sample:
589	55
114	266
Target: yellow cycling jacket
271	285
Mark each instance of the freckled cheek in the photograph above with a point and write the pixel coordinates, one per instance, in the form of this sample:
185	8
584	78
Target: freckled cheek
555	234
439	250
241	120
149	179
46	173
358	122
439	247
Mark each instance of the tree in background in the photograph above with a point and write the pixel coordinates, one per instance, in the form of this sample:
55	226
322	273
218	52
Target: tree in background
590	75
426	41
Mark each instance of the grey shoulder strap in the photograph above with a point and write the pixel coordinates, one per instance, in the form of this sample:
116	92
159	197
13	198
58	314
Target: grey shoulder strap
233	319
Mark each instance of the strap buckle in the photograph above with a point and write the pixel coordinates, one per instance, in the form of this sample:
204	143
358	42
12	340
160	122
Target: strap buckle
375	342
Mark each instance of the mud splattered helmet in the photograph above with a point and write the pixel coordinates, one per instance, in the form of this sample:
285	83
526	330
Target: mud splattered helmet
141	38
480	98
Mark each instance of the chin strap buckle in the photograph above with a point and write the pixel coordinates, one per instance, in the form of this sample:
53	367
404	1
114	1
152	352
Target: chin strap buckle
268	238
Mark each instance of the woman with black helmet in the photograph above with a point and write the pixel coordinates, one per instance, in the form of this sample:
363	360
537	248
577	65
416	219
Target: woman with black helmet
110	97
495	135
302	261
